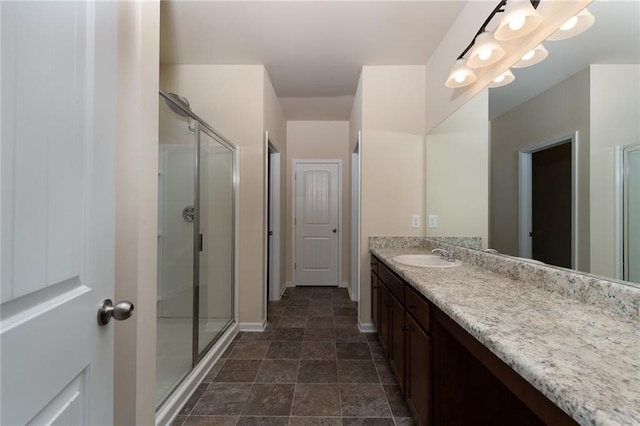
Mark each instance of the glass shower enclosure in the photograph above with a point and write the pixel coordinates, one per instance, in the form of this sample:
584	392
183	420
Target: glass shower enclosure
196	205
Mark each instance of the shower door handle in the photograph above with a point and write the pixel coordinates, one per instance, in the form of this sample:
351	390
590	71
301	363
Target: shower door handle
121	311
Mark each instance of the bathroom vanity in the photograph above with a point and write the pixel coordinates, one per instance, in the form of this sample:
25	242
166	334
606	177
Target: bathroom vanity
472	346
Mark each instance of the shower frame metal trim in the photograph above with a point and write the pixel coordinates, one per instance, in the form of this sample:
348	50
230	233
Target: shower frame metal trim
195	341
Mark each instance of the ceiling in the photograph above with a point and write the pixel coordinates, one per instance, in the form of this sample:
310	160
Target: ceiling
312	50
614	38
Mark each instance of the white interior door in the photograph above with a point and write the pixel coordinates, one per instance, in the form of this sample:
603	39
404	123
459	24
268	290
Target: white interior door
58	196
317	223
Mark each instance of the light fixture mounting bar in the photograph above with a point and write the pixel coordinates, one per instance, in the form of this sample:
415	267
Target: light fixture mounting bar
498	9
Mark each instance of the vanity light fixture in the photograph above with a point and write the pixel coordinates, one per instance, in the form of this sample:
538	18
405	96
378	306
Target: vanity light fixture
486	51
520	18
461	75
538	54
574	26
503	79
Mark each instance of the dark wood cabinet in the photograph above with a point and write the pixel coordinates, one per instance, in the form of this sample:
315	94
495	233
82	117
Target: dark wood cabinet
449	377
471	385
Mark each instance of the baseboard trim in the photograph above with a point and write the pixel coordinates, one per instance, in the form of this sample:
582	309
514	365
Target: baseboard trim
287	284
344	284
172	406
253	326
366	327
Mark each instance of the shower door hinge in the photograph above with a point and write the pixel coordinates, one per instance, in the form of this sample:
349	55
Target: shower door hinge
201	242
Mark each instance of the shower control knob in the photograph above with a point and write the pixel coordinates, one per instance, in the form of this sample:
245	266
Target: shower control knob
121	311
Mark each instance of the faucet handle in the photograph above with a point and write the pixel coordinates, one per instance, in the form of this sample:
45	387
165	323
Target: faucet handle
447	254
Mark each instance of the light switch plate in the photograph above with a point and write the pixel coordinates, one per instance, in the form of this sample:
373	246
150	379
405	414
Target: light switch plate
433	221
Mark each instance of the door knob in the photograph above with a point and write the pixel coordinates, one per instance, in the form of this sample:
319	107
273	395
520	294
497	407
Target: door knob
121	311
334	230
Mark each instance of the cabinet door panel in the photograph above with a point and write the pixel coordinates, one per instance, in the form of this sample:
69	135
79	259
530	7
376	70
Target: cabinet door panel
385	312
418	386
396	348
375	301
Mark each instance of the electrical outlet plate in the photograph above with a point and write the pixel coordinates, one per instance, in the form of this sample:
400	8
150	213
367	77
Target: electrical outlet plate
415	221
433	221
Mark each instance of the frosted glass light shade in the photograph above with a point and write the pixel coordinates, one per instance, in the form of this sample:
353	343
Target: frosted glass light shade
460	75
532	57
486	51
520	18
503	79
579	23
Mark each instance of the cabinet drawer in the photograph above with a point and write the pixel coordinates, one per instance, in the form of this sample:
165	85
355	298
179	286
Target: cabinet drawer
395	284
374	264
418	307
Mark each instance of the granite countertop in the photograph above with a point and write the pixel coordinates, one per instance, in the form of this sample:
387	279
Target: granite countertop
583	358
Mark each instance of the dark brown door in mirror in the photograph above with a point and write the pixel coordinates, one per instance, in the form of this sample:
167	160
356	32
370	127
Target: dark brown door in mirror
551	205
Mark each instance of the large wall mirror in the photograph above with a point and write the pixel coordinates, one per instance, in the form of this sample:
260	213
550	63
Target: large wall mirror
562	149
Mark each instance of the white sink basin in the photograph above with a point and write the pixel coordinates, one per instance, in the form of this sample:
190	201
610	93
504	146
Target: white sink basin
425	261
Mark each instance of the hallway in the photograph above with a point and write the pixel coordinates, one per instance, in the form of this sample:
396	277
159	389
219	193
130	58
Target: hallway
310	367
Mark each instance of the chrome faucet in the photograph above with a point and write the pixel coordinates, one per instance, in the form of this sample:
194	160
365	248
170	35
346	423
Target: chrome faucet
446	254
490	250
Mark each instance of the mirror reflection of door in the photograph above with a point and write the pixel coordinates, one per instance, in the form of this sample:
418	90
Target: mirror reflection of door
551	205
631	232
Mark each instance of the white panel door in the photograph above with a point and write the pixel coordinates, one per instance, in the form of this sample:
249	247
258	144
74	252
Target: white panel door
58	85
317	220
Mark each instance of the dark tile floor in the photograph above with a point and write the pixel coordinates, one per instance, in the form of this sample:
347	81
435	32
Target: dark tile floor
310	367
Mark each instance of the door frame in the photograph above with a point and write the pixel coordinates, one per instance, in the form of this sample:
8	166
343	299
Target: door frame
272	222
618	195
525	194
620	201
355	220
293	214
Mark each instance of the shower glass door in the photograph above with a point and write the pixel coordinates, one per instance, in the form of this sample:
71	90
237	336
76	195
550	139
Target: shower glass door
176	170
216	222
196	233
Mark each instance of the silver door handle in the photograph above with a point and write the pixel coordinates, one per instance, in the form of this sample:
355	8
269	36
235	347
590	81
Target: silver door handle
121	311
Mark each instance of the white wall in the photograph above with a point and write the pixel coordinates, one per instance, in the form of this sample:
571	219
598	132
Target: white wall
556	112
231	99
392	156
355	120
457	163
319	140
615	121
136	211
